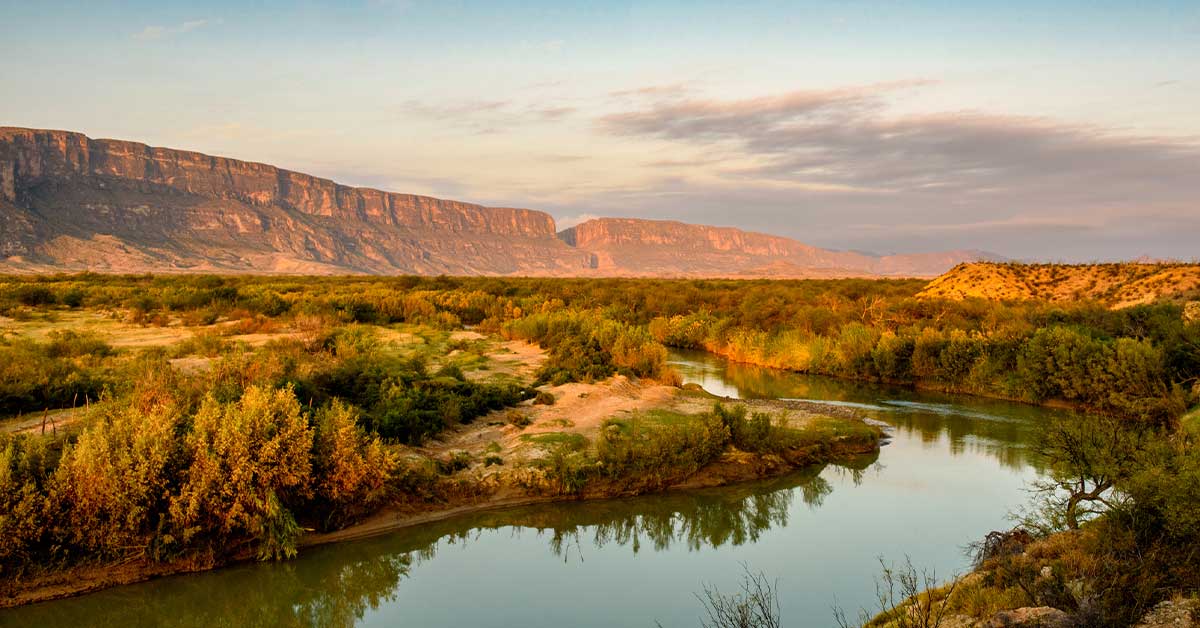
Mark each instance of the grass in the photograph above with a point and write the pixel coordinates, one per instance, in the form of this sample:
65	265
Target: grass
1190	423
568	441
825	430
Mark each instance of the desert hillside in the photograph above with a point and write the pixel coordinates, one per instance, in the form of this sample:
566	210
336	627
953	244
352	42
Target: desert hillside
1118	285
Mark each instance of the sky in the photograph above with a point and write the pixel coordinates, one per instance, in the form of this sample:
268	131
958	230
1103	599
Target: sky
1065	130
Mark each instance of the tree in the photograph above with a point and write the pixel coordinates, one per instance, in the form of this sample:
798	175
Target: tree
1087	459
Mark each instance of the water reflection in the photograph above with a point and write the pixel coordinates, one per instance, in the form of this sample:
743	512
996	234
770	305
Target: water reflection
1000	429
336	585
938	487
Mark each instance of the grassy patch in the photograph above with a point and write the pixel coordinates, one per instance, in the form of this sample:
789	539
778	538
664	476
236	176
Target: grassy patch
569	441
1190	423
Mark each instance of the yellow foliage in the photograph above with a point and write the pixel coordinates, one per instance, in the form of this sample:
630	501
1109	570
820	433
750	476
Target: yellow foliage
244	455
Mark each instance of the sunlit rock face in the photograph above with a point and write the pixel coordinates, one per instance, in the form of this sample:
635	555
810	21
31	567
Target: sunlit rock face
631	246
68	202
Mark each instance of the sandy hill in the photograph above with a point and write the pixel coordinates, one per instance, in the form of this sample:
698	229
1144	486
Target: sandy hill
1118	285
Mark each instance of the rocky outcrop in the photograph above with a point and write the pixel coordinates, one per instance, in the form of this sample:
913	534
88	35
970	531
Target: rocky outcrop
1029	617
1177	613
631	246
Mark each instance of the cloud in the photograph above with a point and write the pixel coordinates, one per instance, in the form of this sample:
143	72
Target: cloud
153	32
456	110
835	158
486	116
655	91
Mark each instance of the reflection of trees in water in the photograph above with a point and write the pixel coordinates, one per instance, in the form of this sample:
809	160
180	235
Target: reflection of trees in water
331	590
1004	436
709	518
337	585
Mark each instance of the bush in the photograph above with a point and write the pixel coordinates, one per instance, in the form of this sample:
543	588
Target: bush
753	434
650	456
248	459
349	469
575	359
111	485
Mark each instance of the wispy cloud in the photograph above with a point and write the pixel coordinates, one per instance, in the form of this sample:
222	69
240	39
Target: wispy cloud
673	90
843	157
486	116
153	32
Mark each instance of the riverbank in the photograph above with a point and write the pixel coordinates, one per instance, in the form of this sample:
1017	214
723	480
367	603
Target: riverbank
919	385
515	457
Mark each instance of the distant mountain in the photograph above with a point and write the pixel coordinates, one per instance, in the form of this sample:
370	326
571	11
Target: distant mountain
633	246
68	202
1116	285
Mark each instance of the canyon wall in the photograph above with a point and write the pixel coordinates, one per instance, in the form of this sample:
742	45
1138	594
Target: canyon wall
632	246
68	202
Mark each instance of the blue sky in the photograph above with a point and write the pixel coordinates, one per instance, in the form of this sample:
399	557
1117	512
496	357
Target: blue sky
1065	130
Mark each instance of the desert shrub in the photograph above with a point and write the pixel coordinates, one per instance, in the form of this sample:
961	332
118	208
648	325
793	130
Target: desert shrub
893	357
64	372
927	354
453	463
855	343
544	398
112	484
34	295
247	458
71	344
653	454
349	468
748	434
959	356
72	297
575	359
202	344
26	466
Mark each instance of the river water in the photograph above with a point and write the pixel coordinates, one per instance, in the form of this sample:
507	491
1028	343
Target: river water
954	468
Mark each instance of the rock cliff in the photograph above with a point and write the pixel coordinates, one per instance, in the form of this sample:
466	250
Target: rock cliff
630	246
71	202
68	202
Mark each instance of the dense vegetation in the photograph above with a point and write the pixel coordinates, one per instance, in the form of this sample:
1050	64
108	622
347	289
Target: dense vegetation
1141	362
301	432
226	461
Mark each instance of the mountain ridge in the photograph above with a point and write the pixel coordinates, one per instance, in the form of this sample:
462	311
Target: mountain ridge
70	202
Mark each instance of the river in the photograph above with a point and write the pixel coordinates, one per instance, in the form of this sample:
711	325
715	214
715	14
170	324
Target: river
954	468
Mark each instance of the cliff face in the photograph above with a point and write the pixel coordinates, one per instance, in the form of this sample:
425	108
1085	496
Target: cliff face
633	246
68	202
29	157
64	194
